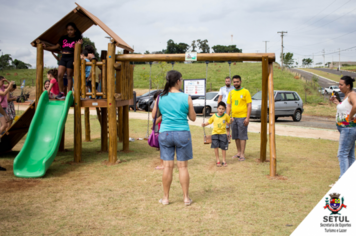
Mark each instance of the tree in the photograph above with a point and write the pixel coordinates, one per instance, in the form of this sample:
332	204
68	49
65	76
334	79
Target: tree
87	41
307	61
171	47
20	64
176	48
223	48
5	61
147	52
203	45
288	59
194	46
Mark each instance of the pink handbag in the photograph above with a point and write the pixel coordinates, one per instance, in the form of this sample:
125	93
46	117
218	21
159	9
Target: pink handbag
153	139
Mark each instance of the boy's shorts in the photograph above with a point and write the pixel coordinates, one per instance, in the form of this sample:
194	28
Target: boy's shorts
219	141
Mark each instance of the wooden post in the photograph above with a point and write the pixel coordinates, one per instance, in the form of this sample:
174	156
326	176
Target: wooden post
61	145
120	128
263	146
39	72
82	74
93	78
104	129
126	135
77	106
272	140
104	79
111	103
87	124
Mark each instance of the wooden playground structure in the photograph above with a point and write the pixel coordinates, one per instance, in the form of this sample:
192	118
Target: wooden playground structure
117	86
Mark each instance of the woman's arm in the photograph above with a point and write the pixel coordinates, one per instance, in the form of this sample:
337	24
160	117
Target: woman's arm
3	93
52	48
352	101
192	115
159	120
154	109
10	99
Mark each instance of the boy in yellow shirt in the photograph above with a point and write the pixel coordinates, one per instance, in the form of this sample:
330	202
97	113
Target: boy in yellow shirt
219	137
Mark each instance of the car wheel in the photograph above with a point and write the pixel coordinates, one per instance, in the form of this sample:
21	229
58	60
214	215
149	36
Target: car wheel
297	115
207	111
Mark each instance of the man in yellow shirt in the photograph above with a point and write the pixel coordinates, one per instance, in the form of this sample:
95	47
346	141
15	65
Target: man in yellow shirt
239	104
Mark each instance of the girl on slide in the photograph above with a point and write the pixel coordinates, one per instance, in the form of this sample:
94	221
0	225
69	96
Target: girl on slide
66	44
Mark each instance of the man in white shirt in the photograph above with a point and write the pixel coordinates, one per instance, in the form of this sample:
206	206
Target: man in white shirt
223	93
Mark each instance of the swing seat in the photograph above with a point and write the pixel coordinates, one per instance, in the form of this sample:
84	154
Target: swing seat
207	139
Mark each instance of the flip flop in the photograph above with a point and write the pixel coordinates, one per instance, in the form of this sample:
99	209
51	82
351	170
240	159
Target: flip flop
163	203
218	164
236	156
241	158
188	203
224	164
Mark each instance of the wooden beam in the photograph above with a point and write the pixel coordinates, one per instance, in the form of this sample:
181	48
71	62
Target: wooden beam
103	102
126	134
104	129
83	77
96	94
111	103
39	72
120	121
97	63
263	145
200	57
93	79
87	124
117	65
104	80
77	106
272	136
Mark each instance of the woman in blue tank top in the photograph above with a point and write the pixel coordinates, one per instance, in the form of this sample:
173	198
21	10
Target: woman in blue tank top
175	108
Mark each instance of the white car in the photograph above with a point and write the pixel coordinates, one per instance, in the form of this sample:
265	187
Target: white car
211	103
330	89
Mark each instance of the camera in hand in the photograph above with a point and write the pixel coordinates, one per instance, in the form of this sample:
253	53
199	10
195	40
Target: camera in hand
14	86
337	96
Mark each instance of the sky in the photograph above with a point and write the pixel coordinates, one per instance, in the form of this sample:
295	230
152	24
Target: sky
312	26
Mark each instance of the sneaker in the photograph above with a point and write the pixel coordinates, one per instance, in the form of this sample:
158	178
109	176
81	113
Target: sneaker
61	96
2	169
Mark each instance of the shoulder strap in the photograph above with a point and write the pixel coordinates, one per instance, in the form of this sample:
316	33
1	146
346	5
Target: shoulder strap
154	120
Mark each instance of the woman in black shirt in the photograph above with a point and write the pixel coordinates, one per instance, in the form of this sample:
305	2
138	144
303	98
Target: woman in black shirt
66	44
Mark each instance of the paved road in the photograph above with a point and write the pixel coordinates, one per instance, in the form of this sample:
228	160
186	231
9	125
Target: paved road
322	81
335	72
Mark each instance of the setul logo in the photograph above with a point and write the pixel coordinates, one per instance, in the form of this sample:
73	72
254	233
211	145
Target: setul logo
335	205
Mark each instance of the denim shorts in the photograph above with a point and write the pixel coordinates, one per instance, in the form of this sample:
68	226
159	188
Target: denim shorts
176	141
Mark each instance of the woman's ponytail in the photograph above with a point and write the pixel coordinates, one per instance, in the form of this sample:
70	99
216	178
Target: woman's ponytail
172	78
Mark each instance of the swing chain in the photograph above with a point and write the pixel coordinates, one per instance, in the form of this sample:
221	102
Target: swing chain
148	108
204	109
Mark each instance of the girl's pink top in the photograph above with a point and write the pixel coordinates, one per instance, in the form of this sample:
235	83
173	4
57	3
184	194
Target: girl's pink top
55	87
3	99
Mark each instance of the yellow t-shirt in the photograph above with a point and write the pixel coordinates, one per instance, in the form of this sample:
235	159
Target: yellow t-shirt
219	123
240	99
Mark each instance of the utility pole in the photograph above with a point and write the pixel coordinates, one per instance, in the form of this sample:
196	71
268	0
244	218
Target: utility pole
339	60
282	56
265	46
323	57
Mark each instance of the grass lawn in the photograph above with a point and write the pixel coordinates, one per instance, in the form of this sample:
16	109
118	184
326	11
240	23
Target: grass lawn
325	110
92	198
349	68
333	77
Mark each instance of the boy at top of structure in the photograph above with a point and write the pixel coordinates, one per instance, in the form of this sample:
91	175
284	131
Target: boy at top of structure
85	55
219	137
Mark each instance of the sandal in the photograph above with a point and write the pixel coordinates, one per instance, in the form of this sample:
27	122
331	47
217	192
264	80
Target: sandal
236	156
241	158
188	203
159	168
224	164
218	164
162	202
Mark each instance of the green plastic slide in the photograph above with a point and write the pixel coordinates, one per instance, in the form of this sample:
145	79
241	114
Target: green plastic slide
43	138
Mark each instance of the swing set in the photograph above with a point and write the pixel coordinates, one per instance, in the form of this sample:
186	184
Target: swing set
267	60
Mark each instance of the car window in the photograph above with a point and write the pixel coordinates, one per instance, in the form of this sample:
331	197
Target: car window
257	96
216	99
296	96
279	97
289	96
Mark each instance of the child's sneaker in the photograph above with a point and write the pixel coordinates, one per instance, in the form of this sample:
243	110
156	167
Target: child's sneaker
61	96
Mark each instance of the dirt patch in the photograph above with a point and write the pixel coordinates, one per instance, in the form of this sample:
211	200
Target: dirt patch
19	184
107	163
